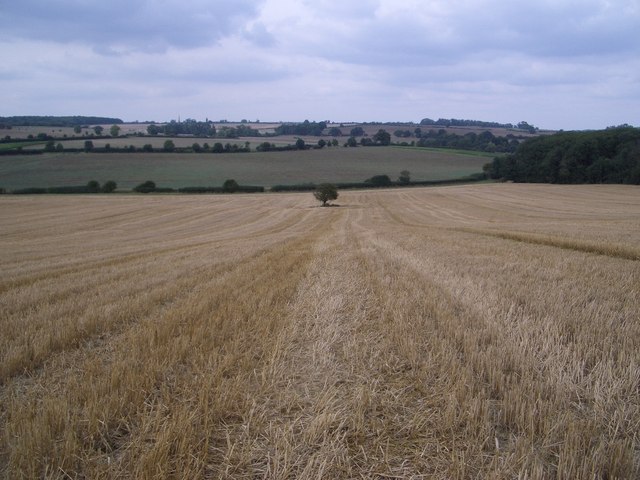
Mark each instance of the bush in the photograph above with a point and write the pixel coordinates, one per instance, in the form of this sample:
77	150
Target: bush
230	186
200	190
93	186
304	187
145	187
379	181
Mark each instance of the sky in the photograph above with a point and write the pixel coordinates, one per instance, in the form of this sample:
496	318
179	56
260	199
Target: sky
556	64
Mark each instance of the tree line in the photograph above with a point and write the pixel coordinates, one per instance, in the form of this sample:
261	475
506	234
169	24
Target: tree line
52	121
602	156
456	122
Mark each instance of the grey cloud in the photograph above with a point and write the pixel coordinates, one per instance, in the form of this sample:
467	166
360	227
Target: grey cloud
454	33
259	35
121	26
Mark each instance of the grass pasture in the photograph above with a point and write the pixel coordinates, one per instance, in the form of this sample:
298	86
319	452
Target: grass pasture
486	331
256	168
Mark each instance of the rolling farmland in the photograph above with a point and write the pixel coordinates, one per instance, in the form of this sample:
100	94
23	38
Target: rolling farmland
334	164
452	332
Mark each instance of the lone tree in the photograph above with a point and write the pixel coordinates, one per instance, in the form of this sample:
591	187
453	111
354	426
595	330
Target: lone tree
325	192
405	177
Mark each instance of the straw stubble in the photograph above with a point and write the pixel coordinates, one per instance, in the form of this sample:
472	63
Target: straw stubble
457	332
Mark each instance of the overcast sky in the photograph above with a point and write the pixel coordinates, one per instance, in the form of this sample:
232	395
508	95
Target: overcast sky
558	64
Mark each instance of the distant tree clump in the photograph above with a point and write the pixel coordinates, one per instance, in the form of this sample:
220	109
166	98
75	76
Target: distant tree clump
382	137
325	192
88	145
109	186
604	156
169	146
98	130
405	177
304	128
114	130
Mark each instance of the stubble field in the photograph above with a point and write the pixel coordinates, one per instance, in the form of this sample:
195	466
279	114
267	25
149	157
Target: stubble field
486	331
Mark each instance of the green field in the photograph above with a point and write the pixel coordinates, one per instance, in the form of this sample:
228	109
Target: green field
177	170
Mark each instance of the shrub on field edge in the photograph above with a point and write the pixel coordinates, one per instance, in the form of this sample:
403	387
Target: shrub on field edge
230	186
145	187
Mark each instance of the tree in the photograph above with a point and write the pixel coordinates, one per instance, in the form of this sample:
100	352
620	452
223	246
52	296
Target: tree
352	142
50	146
382	137
169	146
325	192
230	186
59	147
321	143
196	147
93	186
335	132
98	130
153	129
109	186
77	129
147	147
114	130
405	177
357	132
88	145
300	145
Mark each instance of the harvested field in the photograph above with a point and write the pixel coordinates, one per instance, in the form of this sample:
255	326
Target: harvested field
487	331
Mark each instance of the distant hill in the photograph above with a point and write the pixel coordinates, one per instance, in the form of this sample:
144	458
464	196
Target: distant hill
601	156
50	121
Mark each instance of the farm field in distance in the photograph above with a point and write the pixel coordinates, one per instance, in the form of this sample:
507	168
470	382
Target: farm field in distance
335	164
485	331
